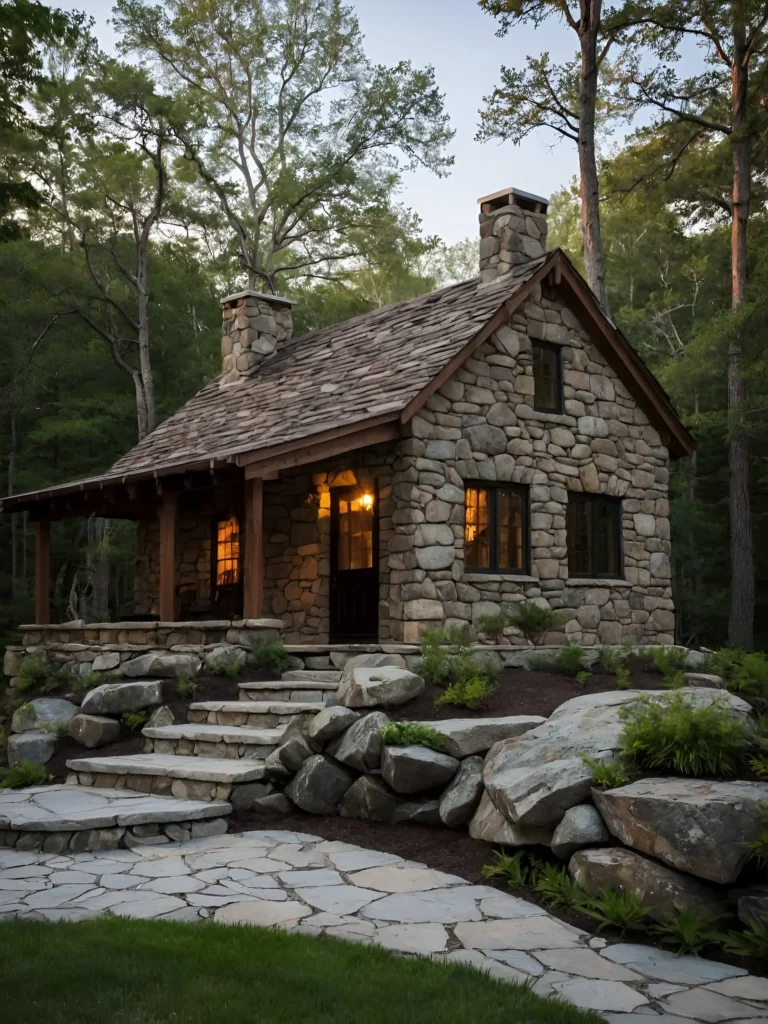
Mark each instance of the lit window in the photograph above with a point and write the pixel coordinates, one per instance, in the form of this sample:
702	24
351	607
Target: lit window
356	532
227	552
594	536
495	528
547	378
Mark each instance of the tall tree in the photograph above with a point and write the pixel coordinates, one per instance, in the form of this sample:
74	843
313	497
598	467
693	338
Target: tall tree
300	138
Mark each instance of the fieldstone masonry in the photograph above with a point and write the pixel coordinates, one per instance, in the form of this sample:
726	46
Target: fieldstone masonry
253	326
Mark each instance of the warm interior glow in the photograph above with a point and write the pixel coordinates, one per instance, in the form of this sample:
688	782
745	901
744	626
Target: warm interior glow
366	501
227	552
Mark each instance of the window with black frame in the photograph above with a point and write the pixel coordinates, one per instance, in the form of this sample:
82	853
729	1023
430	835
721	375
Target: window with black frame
594	536
547	377
496	528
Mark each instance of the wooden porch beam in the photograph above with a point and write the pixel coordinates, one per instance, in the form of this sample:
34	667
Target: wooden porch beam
253	558
42	572
167	517
361	438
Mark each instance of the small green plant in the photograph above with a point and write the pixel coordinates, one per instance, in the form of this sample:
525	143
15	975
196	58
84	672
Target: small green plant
610	659
583	677
570	659
33	674
23	774
448	658
676	736
533	620
494	625
689	931
403	734
675	680
622	678
605	774
270	655
185	685
622	910
553	882
759	765
669	660
226	664
740	671
133	720
469	693
513	869
758	847
82	684
752	942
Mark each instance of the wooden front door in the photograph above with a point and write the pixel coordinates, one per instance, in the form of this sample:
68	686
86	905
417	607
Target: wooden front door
226	568
354	565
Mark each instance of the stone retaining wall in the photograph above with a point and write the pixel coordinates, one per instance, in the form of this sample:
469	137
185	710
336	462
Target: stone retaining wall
116	838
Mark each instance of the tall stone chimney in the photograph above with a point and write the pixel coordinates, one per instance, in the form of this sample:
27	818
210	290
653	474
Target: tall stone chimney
513	229
253	325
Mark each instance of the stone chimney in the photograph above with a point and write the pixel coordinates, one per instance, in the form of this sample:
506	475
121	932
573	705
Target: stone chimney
513	229
253	325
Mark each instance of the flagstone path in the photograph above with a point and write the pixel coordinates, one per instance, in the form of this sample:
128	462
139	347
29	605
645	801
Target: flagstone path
305	883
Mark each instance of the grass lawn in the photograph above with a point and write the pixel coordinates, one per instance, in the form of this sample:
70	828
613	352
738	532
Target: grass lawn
107	971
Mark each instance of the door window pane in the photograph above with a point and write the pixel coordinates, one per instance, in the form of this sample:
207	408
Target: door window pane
227	552
477	549
510	529
355	550
547	395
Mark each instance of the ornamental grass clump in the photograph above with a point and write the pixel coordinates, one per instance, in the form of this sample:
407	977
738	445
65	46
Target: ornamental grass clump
269	655
23	774
448	658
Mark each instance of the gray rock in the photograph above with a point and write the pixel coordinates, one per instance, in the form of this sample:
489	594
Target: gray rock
415	769
361	745
752	908
487	439
226	652
114	698
533	779
694	825
492	827
167	665
35	746
274	767
319	786
423	812
93	730
160	716
661	889
44	713
466	736
330	723
385	686
245	795
581	826
273	803
459	802
368	799
294	747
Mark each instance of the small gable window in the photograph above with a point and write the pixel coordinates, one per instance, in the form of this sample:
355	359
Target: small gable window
547	377
496	528
594	536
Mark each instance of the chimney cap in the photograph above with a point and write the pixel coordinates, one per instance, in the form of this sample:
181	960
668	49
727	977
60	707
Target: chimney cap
516	196
250	294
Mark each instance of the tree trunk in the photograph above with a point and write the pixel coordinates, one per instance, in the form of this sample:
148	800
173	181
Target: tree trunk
742	606
145	364
594	257
11	485
141	406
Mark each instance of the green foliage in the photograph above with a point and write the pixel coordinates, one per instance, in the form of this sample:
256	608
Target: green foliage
468	693
229	665
606	775
513	869
752	942
269	655
669	660
741	672
689	931
583	677
23	774
533	621
758	847
495	624
675	736
622	678
448	659
185	685
759	765
556	886
33	674
570	659
622	910
133	720
610	659
82	684
403	734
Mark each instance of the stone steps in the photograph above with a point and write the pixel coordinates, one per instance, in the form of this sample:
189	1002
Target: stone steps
257	714
307	690
318	675
185	777
205	740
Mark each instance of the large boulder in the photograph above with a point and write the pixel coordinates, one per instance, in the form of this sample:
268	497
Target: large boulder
319	785
224	654
36	746
492	827
160	716
697	826
294	747
533	779
467	736
166	664
659	888
261	798
369	799
330	723
94	730
46	714
361	745
385	686
415	769
459	802
581	827
115	698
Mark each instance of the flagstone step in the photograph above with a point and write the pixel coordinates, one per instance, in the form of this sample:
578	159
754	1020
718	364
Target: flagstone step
196	778
258	714
193	739
315	675
307	690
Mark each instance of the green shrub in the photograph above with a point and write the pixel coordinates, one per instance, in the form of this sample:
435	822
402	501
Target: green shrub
675	680
23	774
185	685
758	847
752	942
610	659
229	665
570	659
583	677
623	910
606	775
513	869
403	734
556	886
675	736
82	684
759	765
270	655
33	674
669	660
622	678
448	658
752	676
494	625
689	931
533	621
467	693
133	720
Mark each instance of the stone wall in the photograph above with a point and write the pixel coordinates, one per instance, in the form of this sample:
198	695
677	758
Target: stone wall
253	325
481	425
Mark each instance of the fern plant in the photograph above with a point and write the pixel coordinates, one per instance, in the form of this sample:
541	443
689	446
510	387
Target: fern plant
622	910
669	660
513	869
403	734
752	942
689	931
23	774
553	882
467	693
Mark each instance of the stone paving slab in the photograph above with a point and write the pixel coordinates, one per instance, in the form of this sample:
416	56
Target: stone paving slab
215	733
292	684
259	707
298	881
72	808
172	766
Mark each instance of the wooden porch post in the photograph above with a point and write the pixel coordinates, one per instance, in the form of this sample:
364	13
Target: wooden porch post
42	572
167	516
253	559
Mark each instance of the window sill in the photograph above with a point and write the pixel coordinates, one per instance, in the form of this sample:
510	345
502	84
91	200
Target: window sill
498	577
590	581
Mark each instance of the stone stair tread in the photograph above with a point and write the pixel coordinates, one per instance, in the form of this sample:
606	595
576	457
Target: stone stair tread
258	707
296	675
74	808
172	766
292	684
216	733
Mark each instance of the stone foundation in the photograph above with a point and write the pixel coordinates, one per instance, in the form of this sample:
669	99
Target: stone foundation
117	838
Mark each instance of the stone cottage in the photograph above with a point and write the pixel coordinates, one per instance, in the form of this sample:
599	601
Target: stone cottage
424	464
